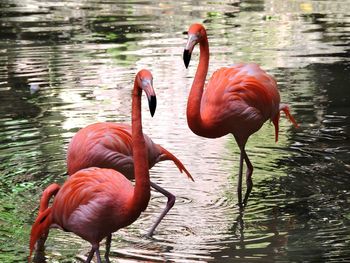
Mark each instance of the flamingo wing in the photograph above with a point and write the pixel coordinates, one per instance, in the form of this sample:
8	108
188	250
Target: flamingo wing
242	95
107	145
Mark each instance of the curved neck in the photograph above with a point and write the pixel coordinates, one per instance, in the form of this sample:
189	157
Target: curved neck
142	184
194	118
49	192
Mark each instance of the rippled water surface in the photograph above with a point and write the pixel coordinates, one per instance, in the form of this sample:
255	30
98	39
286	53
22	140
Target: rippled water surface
66	64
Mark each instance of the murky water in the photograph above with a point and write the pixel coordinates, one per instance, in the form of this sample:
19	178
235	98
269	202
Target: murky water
66	64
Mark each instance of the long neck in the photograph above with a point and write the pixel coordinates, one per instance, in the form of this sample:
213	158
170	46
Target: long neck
142	184
49	192
194	118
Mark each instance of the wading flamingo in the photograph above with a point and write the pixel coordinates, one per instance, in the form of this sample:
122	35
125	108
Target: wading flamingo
95	202
237	99
109	145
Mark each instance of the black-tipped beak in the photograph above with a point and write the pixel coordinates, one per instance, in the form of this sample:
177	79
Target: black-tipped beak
191	42
152	103
147	87
187	57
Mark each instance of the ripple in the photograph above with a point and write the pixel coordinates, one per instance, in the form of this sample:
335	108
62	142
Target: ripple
64	65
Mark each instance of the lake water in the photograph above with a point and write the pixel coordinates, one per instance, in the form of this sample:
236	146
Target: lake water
66	64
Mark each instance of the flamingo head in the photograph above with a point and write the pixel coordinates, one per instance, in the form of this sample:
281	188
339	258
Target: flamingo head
196	33
40	228
144	80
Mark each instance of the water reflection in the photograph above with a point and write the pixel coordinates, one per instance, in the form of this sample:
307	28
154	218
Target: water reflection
66	64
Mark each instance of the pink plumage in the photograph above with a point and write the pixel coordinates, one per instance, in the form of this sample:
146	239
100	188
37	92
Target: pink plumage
109	145
95	202
237	100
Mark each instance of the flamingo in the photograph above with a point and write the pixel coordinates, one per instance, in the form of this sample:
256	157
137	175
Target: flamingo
95	202
237	99
109	145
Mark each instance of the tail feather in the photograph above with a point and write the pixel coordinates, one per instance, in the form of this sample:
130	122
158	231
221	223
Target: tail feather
39	228
285	109
166	155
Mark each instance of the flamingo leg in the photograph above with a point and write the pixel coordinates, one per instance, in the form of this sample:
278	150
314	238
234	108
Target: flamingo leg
169	205
239	184
244	157
90	256
249	180
94	248
98	256
108	247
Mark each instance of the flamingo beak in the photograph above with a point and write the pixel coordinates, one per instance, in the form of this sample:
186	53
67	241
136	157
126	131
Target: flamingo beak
152	104
191	42
187	57
151	95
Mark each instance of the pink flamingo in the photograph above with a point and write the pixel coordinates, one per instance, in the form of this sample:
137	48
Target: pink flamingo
95	202
109	145
237	99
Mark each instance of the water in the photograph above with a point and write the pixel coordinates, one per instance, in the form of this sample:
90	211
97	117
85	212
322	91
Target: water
66	64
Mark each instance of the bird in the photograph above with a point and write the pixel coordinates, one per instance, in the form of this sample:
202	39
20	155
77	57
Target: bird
237	99
95	202
109	145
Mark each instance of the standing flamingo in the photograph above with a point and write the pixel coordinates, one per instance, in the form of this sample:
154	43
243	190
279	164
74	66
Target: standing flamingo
95	202
109	145
237	99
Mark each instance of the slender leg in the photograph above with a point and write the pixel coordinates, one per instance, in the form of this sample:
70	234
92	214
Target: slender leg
98	256
91	254
239	184
94	248
108	247
169	205
249	180
239	225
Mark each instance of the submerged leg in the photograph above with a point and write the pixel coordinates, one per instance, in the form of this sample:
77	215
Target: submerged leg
249	180
108	247
239	183
243	156
169	205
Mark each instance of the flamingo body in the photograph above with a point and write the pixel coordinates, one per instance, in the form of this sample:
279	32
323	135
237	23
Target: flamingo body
93	203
